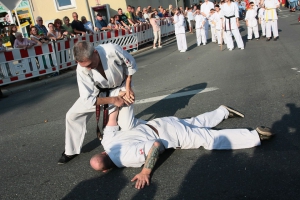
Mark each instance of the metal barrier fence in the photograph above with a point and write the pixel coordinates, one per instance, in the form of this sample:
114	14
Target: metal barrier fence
21	64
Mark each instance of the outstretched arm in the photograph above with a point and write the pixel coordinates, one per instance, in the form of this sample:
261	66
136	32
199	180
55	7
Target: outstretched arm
143	177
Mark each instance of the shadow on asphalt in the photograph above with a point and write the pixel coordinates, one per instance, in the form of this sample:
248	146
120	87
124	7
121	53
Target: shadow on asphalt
267	172
169	107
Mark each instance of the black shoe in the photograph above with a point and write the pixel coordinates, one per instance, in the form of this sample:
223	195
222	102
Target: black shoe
233	113
264	133
275	39
268	39
64	158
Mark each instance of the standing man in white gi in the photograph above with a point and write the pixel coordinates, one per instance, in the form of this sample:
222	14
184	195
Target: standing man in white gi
180	30
262	21
143	144
106	66
251	22
205	11
200	30
230	16
271	18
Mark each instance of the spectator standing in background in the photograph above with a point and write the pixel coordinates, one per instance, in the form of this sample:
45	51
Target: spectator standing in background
145	14
12	31
67	26
39	39
54	34
123	18
87	25
100	24
129	15
23	43
191	19
156	30
39	25
77	25
160	11
58	26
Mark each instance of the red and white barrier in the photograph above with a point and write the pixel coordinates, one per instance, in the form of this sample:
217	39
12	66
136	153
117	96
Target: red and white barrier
120	37
21	64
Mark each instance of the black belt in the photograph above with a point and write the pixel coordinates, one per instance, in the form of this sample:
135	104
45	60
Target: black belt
154	129
105	110
229	22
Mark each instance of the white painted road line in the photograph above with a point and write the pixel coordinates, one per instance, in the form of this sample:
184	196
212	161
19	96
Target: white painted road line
175	95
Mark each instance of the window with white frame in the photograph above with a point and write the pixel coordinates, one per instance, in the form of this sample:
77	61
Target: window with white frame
65	4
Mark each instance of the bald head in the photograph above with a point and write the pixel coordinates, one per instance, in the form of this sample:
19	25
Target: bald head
101	162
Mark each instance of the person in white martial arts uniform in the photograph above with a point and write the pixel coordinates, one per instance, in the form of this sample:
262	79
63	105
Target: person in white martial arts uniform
262	21
142	144
106	66
230	16
212	23
205	11
179	24
219	28
200	30
251	22
271	18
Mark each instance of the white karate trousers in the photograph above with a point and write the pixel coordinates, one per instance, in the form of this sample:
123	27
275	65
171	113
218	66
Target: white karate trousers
272	24
263	27
77	118
252	30
181	41
196	132
237	36
213	33
200	35
219	37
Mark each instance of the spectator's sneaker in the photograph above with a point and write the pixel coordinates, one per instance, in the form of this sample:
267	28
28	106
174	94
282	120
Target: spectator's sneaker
264	133
233	113
64	158
154	47
160	46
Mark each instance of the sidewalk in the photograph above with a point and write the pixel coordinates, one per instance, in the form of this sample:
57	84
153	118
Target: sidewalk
43	80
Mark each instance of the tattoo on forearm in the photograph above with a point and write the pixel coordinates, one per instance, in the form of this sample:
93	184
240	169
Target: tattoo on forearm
152	157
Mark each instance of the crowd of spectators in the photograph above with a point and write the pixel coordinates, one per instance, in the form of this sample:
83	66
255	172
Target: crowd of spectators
134	16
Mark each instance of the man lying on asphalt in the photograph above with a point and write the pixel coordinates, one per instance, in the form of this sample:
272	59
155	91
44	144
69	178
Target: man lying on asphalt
142	144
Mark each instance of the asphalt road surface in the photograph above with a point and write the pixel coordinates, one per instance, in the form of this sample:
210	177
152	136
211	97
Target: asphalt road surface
262	81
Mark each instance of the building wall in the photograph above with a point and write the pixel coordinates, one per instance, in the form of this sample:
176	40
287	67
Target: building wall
48	11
